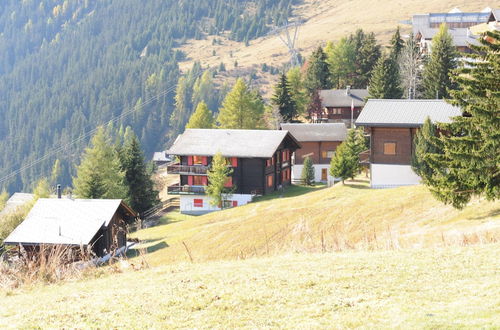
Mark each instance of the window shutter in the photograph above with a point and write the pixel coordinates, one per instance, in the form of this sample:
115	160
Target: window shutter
234	162
198	202
204	160
190	180
229	182
190	160
204	181
235	203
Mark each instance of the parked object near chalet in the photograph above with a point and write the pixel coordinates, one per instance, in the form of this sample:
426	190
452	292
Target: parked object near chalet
340	105
319	142
392	125
460	26
260	159
98	223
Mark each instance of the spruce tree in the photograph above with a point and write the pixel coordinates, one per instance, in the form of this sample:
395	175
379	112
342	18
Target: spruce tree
218	175
397	44
242	108
443	59
424	144
142	194
384	82
317	74
99	174
307	174
345	163
367	53
201	118
469	165
283	100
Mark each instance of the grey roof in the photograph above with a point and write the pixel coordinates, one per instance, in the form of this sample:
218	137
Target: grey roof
15	201
495	15
160	156
317	132
405	113
340	97
229	142
64	221
460	36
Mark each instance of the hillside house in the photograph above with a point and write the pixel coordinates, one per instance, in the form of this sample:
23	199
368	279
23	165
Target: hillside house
260	159
426	26
341	105
391	125
98	223
318	141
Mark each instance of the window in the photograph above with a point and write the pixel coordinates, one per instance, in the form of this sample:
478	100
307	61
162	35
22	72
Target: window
198	180
269	162
197	160
327	154
198	202
389	148
269	181
324	174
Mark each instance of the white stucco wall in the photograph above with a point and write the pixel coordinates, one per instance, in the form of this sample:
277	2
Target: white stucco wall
187	203
389	175
297	172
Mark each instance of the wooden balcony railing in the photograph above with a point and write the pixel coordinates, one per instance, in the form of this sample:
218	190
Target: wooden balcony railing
187	169
185	190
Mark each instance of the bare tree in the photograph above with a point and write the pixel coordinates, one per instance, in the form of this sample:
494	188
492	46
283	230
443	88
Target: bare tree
410	68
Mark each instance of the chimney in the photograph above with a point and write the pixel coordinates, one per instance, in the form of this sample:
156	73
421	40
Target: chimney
348	90
59	191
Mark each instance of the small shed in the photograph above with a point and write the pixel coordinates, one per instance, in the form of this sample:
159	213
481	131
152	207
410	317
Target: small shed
98	223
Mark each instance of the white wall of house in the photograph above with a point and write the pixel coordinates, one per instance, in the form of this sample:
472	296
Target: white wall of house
390	175
297	172
188	205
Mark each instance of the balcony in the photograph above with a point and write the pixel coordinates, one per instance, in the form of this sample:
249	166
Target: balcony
185	190
364	157
187	169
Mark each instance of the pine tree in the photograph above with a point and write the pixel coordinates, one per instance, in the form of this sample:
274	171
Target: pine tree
142	194
218	175
99	174
297	90
424	143
307	174
397	44
283	100
241	109
437	80
345	163
201	118
384	82
317	74
367	53
470	161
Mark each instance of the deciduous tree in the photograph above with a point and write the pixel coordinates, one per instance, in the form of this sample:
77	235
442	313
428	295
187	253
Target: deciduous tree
201	118
218	176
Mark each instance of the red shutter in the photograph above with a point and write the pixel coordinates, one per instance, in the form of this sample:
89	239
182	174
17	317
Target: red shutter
190	160
198	202
235	203
204	181
229	182
190	180
234	162
204	160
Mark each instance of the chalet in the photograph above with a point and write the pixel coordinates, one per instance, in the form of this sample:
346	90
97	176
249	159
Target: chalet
98	223
160	158
426	26
341	105
391	125
260	159
318	141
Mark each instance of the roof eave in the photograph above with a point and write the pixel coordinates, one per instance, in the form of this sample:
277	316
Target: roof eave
405	125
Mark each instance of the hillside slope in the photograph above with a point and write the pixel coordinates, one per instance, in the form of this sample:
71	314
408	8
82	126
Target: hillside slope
316	220
429	288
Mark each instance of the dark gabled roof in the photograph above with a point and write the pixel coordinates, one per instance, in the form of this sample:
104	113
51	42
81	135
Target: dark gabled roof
242	143
494	16
317	132
343	98
65	221
405	113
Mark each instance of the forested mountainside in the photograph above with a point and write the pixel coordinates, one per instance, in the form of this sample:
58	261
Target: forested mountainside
67	66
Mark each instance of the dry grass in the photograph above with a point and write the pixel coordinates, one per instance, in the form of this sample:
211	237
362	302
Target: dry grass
321	220
409	289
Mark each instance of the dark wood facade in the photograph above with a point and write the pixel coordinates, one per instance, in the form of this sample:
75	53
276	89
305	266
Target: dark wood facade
343	113
113	236
391	145
318	151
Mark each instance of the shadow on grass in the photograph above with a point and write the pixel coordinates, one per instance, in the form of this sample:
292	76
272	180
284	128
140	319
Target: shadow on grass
133	253
291	191
490	214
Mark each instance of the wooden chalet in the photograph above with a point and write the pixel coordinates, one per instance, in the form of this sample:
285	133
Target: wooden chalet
319	142
341	105
391	125
260	159
96	223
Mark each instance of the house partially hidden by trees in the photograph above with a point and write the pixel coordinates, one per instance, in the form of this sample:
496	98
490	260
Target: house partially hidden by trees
260	162
98	224
319	142
341	105
391	125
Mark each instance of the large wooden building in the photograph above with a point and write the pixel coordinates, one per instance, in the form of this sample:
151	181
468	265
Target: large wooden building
260	160
391	125
319	142
341	105
97	223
